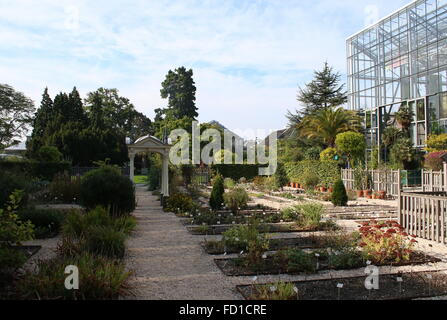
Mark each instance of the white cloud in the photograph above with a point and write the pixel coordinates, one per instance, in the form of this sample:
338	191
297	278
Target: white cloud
248	56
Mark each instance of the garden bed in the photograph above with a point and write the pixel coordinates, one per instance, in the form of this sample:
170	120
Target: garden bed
268	266
266	228
414	286
218	247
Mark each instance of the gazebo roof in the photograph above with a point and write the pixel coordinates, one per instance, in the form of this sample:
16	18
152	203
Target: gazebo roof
148	143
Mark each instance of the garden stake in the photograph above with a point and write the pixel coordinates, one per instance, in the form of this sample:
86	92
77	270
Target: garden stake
429	277
400	280
296	291
339	287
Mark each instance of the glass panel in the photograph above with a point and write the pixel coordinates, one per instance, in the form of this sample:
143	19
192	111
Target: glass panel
443	106
421	134
420	110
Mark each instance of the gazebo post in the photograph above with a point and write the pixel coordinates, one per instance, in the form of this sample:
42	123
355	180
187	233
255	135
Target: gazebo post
165	178
132	167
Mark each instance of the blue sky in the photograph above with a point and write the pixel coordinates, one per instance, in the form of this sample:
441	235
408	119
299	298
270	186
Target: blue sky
248	56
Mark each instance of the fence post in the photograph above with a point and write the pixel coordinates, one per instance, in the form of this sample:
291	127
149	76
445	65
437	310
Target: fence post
445	176
399	197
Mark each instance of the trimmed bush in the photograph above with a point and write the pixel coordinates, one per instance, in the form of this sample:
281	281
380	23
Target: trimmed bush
339	195
106	187
328	172
216	198
237	171
280	176
36	169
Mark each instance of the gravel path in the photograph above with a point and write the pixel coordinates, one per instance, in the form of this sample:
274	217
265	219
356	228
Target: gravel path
168	262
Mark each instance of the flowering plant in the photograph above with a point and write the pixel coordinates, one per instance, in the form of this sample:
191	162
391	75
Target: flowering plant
383	242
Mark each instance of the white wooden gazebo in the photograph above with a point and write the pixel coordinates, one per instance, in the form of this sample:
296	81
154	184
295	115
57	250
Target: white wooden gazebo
152	144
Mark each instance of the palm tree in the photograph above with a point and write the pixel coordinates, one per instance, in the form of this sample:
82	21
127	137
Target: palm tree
326	124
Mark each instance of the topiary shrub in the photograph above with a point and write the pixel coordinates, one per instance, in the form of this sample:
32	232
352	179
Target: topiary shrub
106	187
310	180
339	195
216	198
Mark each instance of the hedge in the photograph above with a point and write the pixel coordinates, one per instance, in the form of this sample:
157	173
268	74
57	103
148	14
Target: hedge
328	172
237	171
42	170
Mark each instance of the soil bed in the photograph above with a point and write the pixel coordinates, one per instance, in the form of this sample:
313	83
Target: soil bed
414	286
237	266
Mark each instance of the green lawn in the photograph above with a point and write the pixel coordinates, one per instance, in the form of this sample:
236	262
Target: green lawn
140	179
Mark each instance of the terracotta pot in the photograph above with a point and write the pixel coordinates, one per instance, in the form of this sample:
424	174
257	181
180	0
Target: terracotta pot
367	193
382	194
359	193
331	190
369	196
375	196
323	189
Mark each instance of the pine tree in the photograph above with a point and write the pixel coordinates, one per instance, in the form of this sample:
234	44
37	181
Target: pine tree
179	88
323	92
77	112
62	108
43	115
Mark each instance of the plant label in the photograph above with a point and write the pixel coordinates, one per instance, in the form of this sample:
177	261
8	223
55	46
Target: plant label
340	285
399	279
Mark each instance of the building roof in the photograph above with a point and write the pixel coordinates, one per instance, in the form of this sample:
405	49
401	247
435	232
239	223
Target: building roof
21	146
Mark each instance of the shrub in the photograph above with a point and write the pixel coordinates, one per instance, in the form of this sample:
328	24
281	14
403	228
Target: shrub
12	229
289	214
284	291
328	154
10	260
437	143
310	180
281	178
328	172
239	237
106	187
65	188
237	171
300	261
229	183
353	145
47	222
216	198
104	241
384	242
433	161
236	199
154	175
404	155
179	203
11	181
49	154
339	195
100	279
310	214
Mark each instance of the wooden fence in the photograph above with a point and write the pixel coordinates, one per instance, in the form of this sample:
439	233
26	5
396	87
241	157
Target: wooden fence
381	180
424	215
434	181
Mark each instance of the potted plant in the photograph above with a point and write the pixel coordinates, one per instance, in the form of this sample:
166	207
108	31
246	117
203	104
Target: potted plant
359	181
322	189
382	194
375	195
330	189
